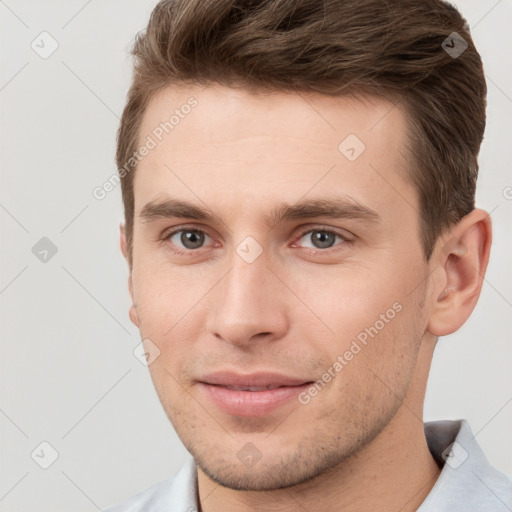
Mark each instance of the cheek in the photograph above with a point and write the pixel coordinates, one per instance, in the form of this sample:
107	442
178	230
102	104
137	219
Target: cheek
169	309
376	333
353	301
165	296
372	376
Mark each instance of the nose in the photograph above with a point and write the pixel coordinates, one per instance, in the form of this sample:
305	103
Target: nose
248	305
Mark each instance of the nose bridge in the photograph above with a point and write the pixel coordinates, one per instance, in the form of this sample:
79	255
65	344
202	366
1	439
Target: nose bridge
247	302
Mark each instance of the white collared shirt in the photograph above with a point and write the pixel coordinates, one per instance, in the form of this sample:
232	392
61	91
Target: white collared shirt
467	483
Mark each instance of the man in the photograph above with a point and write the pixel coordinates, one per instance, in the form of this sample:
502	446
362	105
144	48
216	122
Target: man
298	180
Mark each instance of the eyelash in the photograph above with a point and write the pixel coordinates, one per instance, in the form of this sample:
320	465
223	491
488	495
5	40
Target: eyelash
187	252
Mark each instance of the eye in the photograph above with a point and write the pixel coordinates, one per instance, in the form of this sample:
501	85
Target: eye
322	238
189	239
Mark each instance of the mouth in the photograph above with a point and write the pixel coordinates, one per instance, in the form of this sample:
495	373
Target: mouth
250	388
251	395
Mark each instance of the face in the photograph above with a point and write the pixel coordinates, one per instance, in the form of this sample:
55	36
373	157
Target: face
283	294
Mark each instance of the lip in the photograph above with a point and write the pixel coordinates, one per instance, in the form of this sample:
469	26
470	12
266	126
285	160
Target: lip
270	391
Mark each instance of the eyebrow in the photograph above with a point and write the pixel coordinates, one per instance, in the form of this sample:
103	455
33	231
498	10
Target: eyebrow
342	207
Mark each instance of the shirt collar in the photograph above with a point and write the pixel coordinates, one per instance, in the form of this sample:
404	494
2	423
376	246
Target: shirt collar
467	480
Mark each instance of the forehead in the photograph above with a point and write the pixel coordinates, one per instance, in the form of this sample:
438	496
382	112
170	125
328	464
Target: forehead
228	113
215	140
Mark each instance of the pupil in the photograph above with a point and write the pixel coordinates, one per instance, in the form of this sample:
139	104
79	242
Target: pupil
322	239
192	239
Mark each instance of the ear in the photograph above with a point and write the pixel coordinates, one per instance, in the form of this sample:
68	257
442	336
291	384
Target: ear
461	257
124	249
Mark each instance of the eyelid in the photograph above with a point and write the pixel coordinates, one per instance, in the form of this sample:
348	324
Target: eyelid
346	235
176	229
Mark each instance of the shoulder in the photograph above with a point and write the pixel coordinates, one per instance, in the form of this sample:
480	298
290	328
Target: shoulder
177	494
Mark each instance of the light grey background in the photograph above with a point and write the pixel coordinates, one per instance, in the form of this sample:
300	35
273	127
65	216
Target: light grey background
68	373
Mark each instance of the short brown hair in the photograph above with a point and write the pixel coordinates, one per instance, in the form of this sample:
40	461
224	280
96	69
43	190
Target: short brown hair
395	49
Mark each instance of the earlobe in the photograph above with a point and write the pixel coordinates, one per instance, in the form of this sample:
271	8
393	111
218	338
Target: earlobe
462	256
134	317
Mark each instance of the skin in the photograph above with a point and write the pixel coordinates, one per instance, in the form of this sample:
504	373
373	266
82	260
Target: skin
359	444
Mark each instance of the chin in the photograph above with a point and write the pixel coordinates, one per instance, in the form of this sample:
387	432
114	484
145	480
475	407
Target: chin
263	479
286	471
